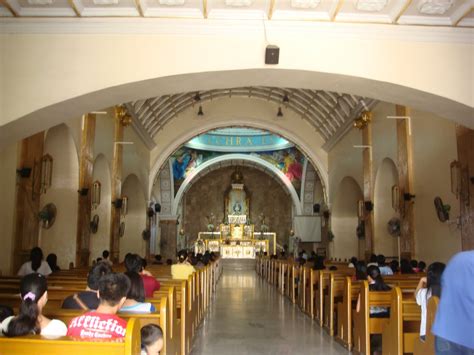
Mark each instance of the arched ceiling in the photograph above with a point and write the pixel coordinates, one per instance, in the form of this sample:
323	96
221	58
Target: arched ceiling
328	112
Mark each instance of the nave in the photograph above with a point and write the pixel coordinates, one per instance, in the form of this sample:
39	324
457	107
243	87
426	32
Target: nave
249	316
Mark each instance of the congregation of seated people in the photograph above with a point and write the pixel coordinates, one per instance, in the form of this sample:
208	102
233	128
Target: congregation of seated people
452	328
106	295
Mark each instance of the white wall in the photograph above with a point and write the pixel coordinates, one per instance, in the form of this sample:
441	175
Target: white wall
8	162
100	241
135	220
61	237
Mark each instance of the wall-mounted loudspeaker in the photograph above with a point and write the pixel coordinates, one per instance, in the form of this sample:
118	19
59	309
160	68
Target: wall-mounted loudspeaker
157	208
24	172
272	54
408	196
118	203
316	208
369	206
84	191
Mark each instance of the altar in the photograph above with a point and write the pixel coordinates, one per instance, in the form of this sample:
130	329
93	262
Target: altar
237	240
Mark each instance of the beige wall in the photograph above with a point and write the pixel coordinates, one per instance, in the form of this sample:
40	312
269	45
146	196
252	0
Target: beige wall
434	147
8	162
344	219
386	177
135	220
317	59
61	237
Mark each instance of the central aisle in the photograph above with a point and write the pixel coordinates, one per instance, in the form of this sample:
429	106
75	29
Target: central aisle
248	316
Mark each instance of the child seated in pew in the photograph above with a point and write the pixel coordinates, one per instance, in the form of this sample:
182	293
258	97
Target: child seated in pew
152	339
104	323
88	299
427	287
384	268
34	296
135	263
135	302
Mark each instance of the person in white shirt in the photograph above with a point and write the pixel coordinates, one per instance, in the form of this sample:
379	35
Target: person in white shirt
427	287
30	320
36	264
384	268
135	302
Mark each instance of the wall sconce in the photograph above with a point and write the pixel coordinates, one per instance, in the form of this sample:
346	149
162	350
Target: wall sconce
124	210
96	191
122	115
364	119
46	172
396	198
455	167
360	209
117	203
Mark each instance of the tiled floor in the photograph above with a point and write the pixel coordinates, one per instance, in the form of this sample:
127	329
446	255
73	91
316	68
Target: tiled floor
248	316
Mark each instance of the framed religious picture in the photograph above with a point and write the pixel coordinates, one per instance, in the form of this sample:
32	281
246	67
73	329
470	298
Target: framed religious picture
225	231
248	231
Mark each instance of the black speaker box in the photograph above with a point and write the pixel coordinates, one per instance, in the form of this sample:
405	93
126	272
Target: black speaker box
157	208
272	54
24	172
84	191
369	206
118	203
316	208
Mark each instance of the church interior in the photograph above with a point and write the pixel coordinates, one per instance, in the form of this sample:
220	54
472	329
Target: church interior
279	147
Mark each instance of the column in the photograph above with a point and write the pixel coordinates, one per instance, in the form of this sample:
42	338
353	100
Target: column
116	184
169	233
28	198
405	183
86	168
368	188
465	143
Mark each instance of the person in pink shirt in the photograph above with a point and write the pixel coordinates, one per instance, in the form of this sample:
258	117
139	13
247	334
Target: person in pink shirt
103	323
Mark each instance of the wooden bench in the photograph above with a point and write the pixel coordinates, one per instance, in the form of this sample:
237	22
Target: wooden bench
36	344
427	347
403	327
364	325
345	309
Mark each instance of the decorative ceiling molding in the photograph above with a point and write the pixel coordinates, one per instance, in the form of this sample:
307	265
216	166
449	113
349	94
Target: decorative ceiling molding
418	12
325	111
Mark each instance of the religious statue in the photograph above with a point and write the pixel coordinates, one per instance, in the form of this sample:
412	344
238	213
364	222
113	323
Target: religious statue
182	242
210	222
199	246
263	226
237	200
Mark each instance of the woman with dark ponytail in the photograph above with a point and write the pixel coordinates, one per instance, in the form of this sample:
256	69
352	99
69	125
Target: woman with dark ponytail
376	283
36	264
34	295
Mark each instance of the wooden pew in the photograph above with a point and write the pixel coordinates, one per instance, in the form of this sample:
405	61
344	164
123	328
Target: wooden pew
345	308
331	300
36	344
403	327
427	347
364	325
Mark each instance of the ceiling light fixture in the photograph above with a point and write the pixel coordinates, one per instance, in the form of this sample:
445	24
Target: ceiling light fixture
197	97
279	113
286	99
200	111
